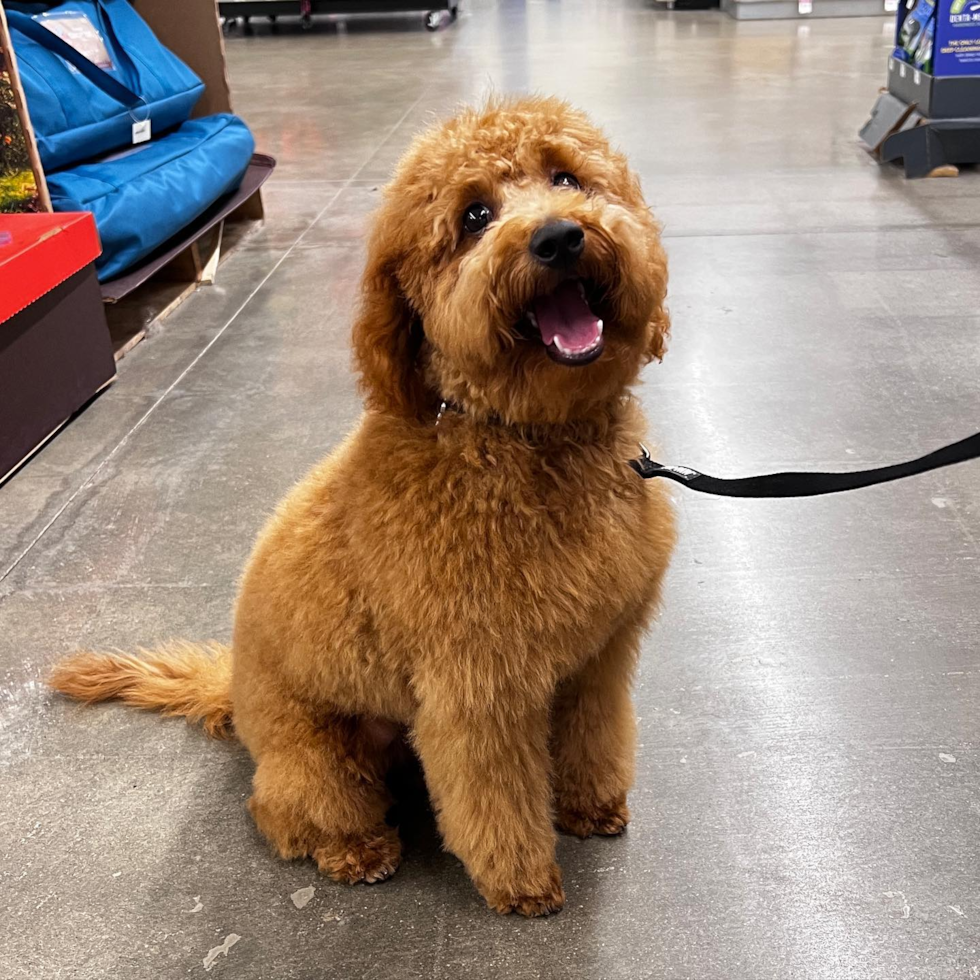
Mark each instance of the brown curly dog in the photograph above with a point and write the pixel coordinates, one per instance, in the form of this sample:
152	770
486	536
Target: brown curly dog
475	573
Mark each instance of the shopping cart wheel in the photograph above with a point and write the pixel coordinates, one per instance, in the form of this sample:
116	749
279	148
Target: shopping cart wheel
433	19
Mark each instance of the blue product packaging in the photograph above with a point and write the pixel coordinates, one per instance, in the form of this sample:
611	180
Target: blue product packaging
922	58
956	48
913	28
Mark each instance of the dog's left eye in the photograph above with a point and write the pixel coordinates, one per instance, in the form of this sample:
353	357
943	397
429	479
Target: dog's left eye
564	179
476	217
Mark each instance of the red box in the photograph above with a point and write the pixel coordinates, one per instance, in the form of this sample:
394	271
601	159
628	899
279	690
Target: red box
55	351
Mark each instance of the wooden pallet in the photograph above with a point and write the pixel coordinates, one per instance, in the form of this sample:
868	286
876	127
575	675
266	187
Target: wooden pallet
154	289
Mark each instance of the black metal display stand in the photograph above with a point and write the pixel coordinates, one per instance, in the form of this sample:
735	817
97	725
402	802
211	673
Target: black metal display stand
436	11
930	123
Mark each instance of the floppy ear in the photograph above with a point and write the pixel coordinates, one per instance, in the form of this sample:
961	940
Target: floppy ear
387	338
660	321
659	332
659	327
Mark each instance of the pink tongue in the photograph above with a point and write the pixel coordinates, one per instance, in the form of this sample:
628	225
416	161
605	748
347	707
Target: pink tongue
566	315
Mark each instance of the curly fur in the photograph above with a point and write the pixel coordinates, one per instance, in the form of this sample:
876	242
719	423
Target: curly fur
480	584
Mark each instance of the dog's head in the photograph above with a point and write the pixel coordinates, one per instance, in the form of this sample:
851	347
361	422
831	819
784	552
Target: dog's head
513	269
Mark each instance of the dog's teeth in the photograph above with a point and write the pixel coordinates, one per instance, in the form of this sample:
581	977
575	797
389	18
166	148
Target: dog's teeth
581	288
599	324
532	318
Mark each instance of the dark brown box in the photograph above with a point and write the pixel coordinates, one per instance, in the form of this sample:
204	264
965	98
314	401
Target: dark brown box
55	355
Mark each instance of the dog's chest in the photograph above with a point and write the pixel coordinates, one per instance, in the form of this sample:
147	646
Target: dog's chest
538	555
578	548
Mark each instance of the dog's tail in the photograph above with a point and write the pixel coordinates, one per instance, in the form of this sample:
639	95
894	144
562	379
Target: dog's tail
177	678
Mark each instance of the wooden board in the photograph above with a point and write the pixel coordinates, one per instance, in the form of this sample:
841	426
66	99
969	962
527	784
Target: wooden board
22	184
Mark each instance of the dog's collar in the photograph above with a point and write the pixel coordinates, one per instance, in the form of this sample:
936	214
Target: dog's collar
447	407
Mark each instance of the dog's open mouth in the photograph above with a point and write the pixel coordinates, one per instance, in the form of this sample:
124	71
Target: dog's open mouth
569	329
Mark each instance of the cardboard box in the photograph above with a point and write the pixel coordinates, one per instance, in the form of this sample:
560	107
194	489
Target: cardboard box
935	97
55	352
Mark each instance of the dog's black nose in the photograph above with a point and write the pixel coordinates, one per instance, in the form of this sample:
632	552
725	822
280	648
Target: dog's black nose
558	244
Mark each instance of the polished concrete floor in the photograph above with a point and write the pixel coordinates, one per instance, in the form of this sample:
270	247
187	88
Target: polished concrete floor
808	795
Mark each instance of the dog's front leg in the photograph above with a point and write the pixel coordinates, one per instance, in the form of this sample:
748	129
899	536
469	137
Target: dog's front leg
594	740
486	767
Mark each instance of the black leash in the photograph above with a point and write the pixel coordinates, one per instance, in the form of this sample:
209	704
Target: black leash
806	484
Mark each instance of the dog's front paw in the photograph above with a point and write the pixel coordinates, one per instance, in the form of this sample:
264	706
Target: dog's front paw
371	858
607	819
527	899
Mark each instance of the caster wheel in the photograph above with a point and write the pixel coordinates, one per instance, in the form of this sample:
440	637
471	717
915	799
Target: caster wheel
453	13
247	28
307	22
433	19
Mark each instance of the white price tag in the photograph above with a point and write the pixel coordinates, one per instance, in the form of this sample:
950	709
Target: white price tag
805	6
891	6
141	131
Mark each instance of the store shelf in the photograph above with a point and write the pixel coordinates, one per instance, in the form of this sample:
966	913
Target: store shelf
294	8
686	4
794	10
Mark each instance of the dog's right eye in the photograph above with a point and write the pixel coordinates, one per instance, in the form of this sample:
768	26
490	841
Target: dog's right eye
476	217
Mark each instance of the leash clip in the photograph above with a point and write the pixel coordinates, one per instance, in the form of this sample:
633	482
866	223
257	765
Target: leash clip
644	464
648	468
